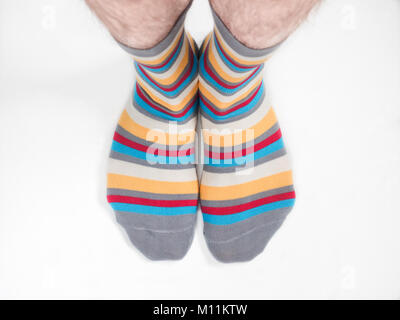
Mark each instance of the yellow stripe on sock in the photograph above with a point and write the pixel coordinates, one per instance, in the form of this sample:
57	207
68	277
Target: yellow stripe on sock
179	70
206	41
175	108
222	73
192	43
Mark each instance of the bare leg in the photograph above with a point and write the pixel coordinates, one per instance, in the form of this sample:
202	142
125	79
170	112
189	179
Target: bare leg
262	23
138	24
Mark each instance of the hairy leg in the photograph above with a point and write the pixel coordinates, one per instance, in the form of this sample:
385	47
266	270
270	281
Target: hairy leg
139	24
262	23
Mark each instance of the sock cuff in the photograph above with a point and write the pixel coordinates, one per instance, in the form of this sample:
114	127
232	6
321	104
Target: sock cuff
164	44
237	46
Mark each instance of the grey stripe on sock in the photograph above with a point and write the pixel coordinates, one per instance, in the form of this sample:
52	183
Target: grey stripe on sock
148	195
124	157
126	134
264	136
156	223
246	166
152	116
216	233
235	118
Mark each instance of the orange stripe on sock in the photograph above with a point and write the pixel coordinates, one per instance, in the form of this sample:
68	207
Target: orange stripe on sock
155	135
116	181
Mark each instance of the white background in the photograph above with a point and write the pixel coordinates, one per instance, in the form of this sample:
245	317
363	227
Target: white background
335	86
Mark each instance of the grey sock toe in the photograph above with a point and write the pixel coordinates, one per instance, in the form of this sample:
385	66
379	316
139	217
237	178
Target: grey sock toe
158	246
159	237
245	247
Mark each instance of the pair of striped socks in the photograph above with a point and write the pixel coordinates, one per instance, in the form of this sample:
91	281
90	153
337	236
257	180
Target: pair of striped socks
246	188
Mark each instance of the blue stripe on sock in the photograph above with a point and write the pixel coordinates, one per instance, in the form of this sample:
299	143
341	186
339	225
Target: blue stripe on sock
171	62
277	145
160	114
217	86
240	111
159	211
120	148
237	217
178	90
225	60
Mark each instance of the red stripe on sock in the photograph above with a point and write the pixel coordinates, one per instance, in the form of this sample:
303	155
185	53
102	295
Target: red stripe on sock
220	82
187	74
169	58
151	202
151	104
158	152
241	153
239	106
229	58
221	211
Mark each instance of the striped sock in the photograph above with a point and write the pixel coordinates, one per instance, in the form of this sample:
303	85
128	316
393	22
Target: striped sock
246	189
152	181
